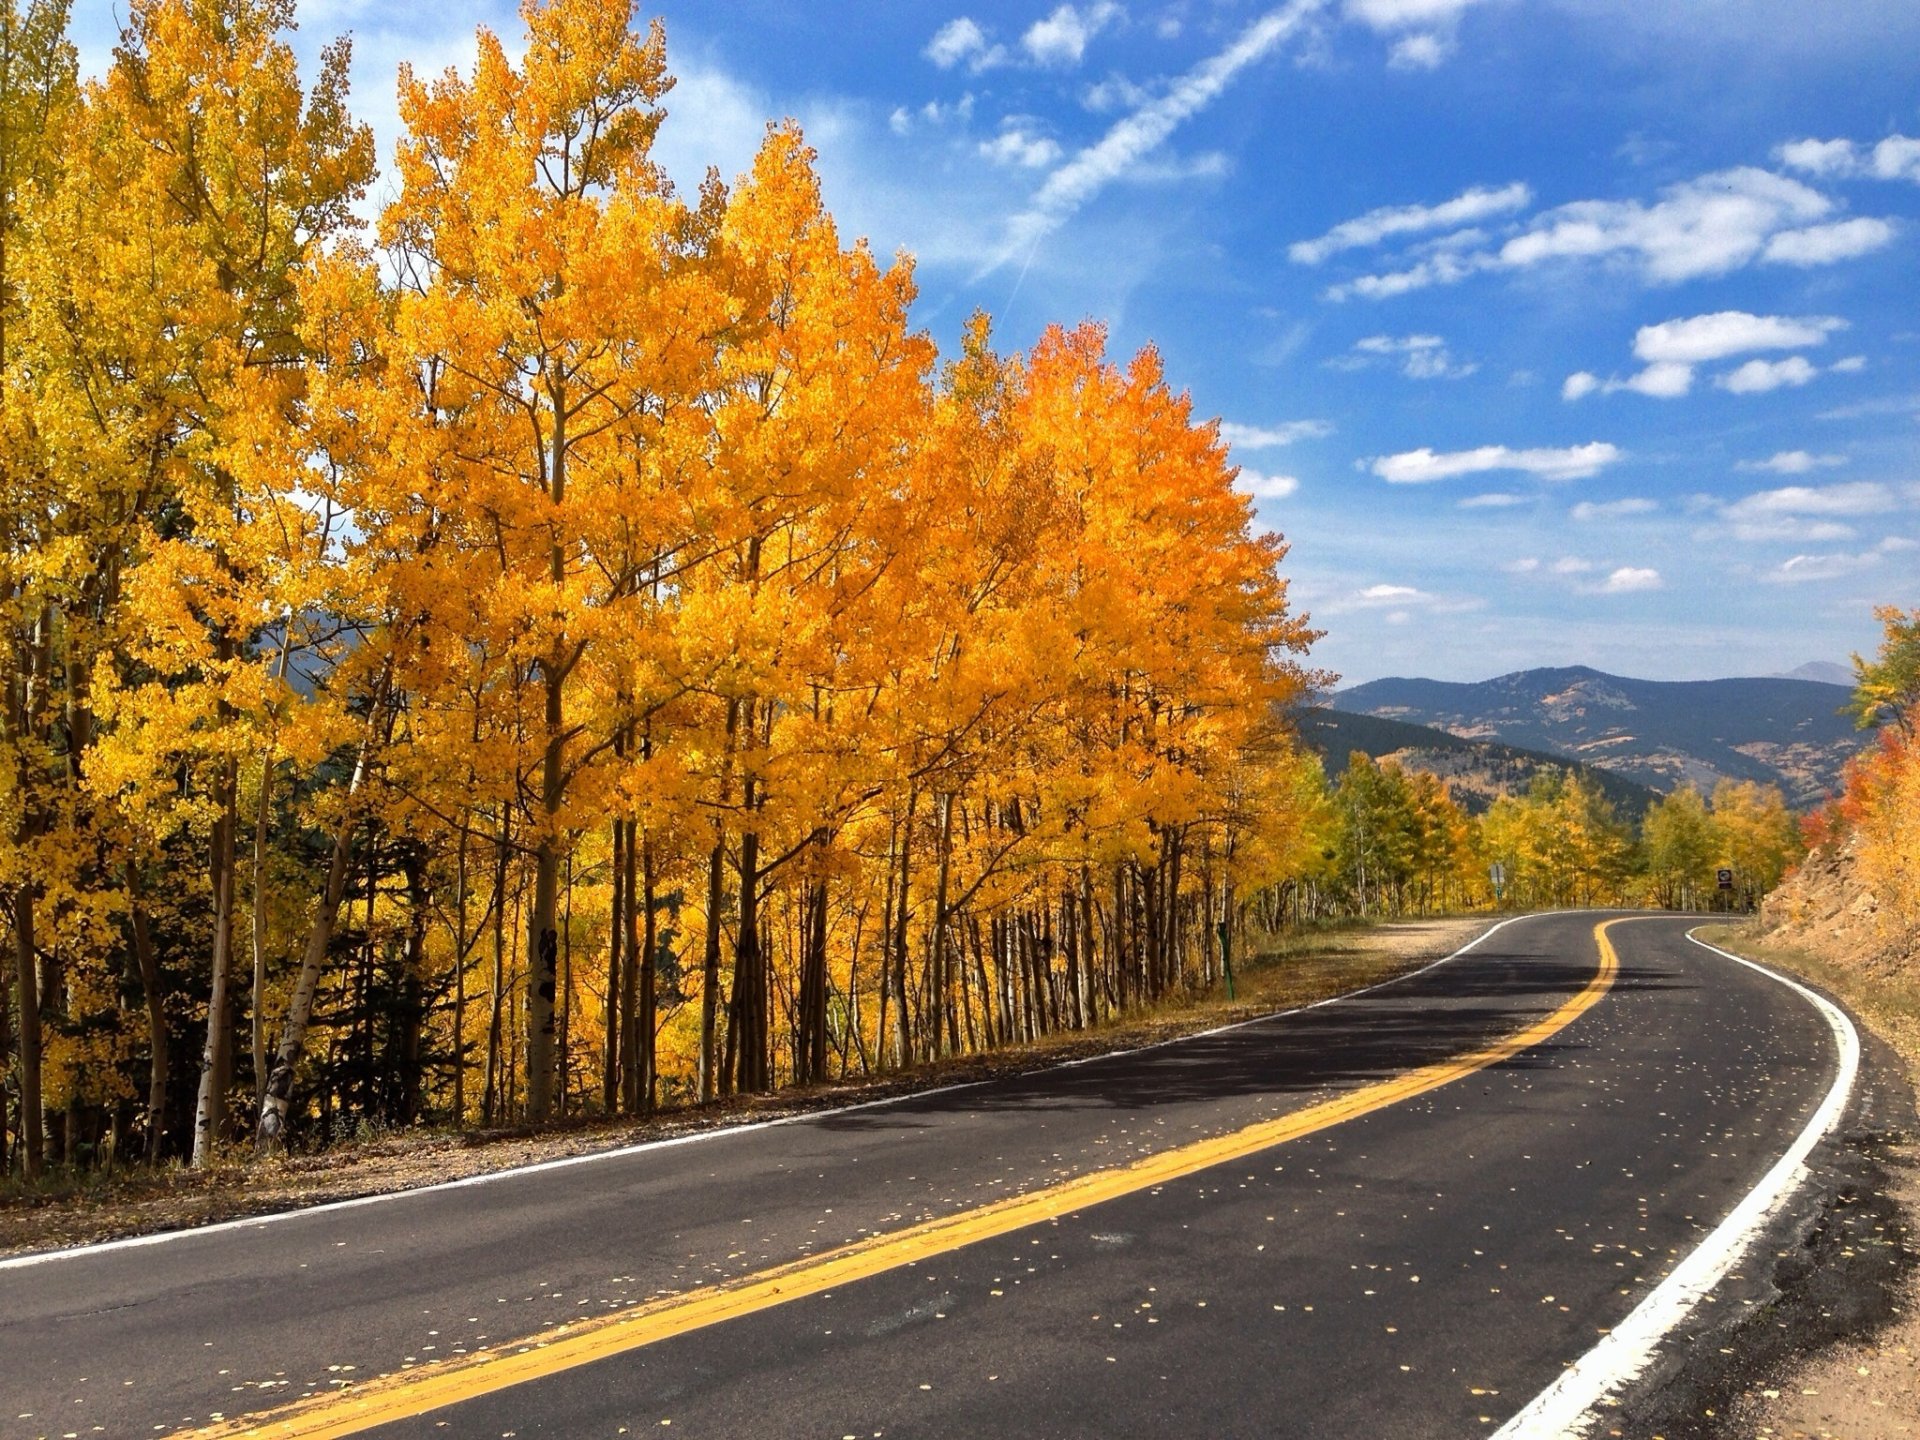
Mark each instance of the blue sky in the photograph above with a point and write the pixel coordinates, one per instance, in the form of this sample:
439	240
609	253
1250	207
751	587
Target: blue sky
1547	331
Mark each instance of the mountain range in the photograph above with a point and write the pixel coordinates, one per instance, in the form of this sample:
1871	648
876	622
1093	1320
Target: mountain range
1656	734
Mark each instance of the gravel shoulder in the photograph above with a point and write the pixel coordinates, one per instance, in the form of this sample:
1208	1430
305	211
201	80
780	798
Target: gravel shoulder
1293	971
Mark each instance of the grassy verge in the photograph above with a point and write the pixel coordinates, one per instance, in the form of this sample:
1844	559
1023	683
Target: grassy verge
1285	972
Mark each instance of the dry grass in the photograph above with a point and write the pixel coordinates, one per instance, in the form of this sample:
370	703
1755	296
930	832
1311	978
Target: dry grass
1286	972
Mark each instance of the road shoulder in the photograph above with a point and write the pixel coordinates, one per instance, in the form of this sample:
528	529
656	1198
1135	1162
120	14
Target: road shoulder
1298	971
1821	1337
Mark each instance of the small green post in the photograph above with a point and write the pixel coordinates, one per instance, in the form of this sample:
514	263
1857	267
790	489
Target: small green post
1226	955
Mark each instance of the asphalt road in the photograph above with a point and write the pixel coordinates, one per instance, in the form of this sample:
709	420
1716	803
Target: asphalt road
1423	1270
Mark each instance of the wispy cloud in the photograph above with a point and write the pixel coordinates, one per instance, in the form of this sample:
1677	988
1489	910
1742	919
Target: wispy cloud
1588	510
1837	565
1711	225
1421	357
1271	437
1017	144
1466	208
1895	158
1265	487
1061	39
1793	462
1139	133
1671	350
1422	30
1423	466
1629	579
962	41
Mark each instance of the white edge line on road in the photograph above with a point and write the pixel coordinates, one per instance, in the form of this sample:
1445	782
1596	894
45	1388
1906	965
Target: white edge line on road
255	1222
1568	1406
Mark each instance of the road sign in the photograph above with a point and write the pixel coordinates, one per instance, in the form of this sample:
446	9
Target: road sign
1724	878
1497	873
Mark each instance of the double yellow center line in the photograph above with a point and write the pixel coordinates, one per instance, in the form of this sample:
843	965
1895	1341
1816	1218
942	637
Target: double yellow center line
408	1393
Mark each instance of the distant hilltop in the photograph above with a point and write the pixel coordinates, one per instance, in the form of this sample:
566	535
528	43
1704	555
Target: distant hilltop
1823	671
1786	730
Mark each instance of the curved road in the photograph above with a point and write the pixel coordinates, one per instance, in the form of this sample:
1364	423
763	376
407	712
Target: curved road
1423	1267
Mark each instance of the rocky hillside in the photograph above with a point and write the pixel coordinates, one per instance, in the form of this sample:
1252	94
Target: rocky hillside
1660	734
1478	772
1826	908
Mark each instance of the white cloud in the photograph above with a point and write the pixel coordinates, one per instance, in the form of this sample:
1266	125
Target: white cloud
1818	157
1663	380
1730	332
1419	52
1061	39
1791	530
1895	158
1572	565
1132	138
1432	21
1793	462
1826	244
1629	578
1116	92
1710	225
1269	437
1756	377
1707	226
1265	487
1673	347
1015	146
1613	509
1422	357
1423	466
1835	566
962	41
1524	566
1385	594
1857	497
1495	500
1479	203
1389	15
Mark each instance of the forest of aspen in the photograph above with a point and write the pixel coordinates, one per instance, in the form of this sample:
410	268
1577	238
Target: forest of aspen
569	646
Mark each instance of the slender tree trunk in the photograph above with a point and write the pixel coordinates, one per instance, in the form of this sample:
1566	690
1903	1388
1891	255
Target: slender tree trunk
716	894
611	1071
413	1009
747	1014
942	1000
543	935
33	1143
491	1100
262	813
811	1068
903	1016
154	994
460	949
642	951
209	1113
270	1133
710	970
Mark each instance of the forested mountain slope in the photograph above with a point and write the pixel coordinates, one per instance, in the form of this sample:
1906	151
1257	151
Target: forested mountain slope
1477	771
1661	734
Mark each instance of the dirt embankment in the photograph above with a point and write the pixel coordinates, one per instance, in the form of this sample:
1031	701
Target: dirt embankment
1825	924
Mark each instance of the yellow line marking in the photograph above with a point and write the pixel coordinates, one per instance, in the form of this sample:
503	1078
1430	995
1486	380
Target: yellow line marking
408	1393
